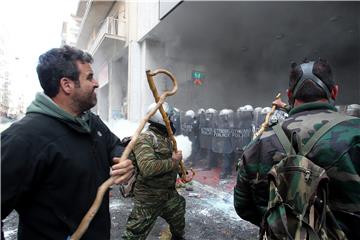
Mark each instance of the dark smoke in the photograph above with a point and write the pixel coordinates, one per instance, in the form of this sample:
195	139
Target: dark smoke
245	49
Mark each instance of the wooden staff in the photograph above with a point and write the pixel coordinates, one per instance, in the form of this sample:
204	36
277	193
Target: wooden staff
184	174
85	222
265	124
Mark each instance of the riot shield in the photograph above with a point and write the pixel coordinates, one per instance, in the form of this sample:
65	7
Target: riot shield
223	125
243	129
257	118
207	129
175	118
188	125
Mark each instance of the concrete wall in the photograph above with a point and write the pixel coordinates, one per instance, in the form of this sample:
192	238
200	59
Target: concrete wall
118	88
136	80
143	17
148	17
103	102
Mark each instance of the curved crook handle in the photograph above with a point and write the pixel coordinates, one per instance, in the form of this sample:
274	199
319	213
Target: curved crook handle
150	76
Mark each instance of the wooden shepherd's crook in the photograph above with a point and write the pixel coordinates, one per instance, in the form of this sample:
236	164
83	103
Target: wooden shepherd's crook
265	124
85	222
184	174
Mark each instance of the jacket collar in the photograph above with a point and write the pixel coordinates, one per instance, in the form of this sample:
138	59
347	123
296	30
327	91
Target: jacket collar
312	106
46	106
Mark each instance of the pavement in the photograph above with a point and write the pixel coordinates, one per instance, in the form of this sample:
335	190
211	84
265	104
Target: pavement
209	212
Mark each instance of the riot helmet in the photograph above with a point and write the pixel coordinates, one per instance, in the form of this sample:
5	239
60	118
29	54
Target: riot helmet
257	116
266	110
248	108
209	113
258	109
245	113
201	111
210	110
190	113
157	117
224	114
239	109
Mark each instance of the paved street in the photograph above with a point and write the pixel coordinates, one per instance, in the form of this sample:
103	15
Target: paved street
209	215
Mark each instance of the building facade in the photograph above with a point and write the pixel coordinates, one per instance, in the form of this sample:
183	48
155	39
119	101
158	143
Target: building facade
224	55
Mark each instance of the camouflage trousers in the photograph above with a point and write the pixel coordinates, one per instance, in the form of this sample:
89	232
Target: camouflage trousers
143	217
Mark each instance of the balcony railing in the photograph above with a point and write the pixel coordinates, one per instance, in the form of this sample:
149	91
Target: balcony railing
111	27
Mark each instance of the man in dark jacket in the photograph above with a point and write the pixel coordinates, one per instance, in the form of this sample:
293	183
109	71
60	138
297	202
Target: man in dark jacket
56	157
311	93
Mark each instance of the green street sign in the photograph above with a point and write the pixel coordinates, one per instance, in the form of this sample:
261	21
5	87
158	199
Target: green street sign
197	75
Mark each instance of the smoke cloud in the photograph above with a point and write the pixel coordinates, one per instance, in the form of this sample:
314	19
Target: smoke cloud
125	128
245	49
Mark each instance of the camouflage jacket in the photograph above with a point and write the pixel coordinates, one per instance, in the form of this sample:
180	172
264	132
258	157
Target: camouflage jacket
157	172
337	151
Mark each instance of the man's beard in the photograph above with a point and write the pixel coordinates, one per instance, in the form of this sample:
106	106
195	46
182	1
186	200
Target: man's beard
85	103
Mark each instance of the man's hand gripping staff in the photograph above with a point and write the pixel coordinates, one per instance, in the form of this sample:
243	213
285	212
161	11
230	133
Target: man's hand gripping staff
265	124
185	177
118	175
